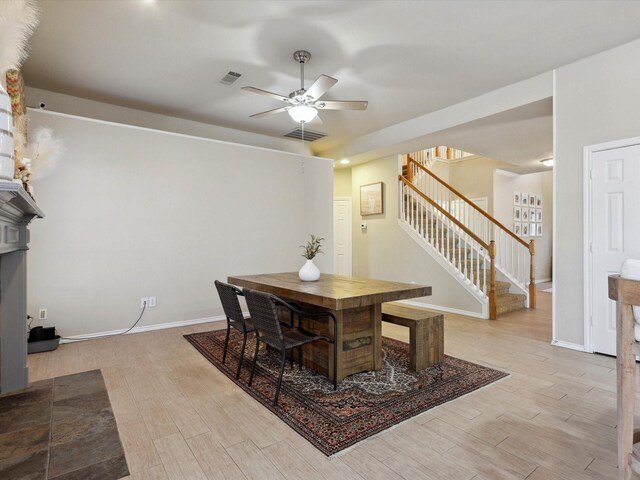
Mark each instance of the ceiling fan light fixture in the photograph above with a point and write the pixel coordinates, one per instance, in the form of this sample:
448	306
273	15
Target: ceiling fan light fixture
302	113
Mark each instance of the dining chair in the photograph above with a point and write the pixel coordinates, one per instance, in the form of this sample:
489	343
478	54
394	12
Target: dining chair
263	308
235	318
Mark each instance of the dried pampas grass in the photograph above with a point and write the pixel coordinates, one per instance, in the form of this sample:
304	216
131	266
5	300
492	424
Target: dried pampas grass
18	20
45	151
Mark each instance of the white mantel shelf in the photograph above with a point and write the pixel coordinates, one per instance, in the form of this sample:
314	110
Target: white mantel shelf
17	209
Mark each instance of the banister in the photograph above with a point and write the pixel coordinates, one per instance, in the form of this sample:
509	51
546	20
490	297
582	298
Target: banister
467	200
457	222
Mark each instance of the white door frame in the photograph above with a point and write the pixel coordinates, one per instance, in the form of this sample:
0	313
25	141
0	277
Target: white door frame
350	200
587	153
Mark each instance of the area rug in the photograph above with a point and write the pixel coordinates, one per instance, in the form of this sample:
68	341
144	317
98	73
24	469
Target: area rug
61	428
363	405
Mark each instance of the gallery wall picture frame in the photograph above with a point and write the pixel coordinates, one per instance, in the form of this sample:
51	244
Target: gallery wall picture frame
532	200
517	213
538	214
371	199
539	229
532	229
517	228
532	214
525	214
525	229
516	198
538	201
524	197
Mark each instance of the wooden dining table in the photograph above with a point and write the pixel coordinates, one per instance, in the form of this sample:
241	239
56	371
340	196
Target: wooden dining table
357	305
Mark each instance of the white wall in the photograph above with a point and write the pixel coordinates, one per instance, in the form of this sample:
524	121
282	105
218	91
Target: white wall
134	213
533	183
385	251
596	100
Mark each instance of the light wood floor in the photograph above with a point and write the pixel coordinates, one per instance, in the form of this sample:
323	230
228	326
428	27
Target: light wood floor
179	418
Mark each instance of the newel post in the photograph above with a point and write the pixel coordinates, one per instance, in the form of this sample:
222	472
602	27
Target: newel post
532	274
493	299
409	169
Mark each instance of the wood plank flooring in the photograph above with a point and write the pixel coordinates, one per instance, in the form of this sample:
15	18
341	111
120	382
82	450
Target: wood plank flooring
179	418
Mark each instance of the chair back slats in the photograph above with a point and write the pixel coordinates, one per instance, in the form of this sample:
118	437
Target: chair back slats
264	315
230	304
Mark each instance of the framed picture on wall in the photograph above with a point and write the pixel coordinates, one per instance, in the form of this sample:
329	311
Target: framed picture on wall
532	214
525	214
525	199
532	200
538	214
516	198
517	213
538	201
539	229
371	199
517	228
532	229
525	229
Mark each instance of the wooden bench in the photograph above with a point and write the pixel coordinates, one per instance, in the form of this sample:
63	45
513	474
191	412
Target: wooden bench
426	333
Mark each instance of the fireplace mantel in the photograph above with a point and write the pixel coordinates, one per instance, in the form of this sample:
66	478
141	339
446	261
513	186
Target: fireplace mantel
17	209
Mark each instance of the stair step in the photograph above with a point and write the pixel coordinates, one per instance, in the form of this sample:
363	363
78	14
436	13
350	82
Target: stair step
509	302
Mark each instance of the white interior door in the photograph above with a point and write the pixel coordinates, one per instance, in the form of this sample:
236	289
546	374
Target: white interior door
342	236
615	233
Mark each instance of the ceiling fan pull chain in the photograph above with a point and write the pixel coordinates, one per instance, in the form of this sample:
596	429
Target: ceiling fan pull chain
301	75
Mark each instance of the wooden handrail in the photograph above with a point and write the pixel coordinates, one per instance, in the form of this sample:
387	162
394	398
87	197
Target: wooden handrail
463	197
457	222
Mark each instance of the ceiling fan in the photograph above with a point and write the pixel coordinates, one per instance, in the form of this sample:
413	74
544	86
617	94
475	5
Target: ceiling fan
303	104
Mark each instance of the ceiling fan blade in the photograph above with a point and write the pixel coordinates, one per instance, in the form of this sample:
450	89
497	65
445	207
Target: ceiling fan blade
270	112
259	91
342	105
320	86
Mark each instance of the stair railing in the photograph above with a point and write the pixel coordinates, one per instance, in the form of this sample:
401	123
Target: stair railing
465	251
514	257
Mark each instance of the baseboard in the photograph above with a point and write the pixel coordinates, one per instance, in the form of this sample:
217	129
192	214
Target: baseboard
569	345
144	328
439	308
543	280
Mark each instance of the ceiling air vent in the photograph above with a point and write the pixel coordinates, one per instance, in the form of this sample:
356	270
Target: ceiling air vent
230	77
309	135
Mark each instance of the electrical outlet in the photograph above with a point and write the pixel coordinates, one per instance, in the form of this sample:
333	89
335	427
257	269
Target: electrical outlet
152	301
42	314
144	302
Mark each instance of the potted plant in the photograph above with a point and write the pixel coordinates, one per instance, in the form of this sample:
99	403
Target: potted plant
309	271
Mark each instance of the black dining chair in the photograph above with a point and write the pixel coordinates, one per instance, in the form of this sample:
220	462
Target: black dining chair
263	308
235	318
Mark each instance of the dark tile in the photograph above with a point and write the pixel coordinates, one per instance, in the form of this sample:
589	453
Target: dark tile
36	393
26	467
85	451
83	383
68	427
24	442
22	416
112	469
80	405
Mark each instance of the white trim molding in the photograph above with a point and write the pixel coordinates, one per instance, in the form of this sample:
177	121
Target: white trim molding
569	345
413	303
144	328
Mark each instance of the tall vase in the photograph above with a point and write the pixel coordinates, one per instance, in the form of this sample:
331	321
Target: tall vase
7	167
309	272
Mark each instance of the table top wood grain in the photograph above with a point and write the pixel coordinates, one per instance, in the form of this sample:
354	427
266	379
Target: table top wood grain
335	292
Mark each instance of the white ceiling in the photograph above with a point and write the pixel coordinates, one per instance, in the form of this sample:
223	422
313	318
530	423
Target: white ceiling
407	58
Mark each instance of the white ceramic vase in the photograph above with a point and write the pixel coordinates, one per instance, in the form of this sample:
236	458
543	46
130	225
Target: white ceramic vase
309	272
7	167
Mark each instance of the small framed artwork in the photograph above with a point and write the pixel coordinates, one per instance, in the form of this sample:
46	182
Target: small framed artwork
516	198
538	214
525	214
517	213
524	197
539	229
532	229
532	214
517	228
371	199
538	201
525	229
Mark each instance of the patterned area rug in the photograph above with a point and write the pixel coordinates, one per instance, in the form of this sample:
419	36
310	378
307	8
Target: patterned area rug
363	405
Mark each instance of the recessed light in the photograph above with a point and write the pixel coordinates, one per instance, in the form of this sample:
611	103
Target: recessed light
548	162
345	161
